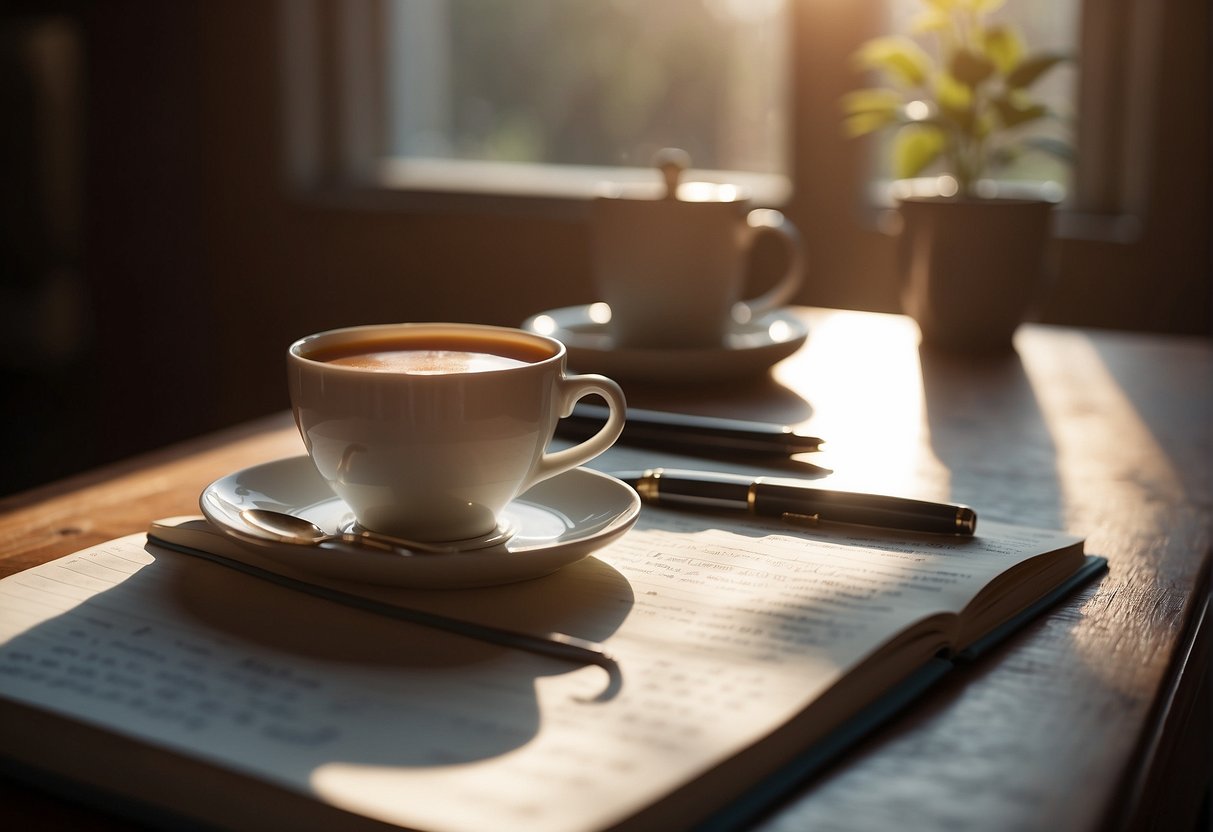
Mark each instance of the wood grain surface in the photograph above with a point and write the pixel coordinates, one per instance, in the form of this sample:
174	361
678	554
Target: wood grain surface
1094	717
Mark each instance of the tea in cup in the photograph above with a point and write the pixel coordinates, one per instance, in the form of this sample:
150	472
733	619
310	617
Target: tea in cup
671	263
428	430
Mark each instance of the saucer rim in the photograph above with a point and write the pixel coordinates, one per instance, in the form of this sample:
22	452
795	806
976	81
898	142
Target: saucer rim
467	568
673	364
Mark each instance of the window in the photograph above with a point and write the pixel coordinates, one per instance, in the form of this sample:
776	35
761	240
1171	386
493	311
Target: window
587	82
506	87
497	92
552	96
426	106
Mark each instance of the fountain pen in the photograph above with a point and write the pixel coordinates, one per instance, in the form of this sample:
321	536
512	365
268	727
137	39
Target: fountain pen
795	501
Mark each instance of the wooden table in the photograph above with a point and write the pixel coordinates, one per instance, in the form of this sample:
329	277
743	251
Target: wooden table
1095	717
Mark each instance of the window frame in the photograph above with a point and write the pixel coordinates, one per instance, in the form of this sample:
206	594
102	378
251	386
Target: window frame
334	117
335	70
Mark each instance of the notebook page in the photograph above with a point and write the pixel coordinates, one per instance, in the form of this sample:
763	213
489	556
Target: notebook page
722	632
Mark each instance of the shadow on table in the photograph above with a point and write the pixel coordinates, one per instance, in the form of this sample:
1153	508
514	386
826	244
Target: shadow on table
987	428
760	398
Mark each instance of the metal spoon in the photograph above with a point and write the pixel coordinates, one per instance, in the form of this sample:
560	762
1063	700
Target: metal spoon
289	528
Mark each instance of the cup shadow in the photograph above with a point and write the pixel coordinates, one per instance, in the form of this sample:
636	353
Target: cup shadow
760	398
757	399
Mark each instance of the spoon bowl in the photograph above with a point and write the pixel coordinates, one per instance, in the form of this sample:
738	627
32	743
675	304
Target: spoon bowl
280	527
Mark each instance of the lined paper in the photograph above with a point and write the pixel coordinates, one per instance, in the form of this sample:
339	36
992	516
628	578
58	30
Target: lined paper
722	631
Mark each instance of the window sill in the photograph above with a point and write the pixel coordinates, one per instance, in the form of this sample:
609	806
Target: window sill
1068	223
448	185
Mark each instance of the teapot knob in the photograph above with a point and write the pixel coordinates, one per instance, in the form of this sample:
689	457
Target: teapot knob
672	162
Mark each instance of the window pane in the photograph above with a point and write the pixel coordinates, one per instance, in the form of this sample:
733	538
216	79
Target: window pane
1044	26
589	82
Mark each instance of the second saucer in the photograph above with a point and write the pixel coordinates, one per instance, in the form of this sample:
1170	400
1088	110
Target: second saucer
748	349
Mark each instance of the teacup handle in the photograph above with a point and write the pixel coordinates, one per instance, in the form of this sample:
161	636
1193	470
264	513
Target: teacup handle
569	390
769	221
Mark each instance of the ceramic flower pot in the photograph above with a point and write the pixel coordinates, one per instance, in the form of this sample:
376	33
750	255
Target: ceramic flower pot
972	269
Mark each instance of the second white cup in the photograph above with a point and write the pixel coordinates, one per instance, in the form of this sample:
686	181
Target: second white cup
672	263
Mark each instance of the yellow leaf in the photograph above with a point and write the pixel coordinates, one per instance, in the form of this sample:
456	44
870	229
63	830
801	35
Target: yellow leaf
901	58
860	124
930	20
951	94
970	5
916	147
1004	47
871	100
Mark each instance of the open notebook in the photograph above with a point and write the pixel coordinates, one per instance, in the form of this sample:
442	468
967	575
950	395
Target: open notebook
747	653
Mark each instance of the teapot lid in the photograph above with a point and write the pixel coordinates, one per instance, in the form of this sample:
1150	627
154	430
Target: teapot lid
672	162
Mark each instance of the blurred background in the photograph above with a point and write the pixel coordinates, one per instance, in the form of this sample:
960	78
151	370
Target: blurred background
187	187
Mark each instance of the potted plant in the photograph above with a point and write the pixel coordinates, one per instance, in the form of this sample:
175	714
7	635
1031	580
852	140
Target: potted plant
972	260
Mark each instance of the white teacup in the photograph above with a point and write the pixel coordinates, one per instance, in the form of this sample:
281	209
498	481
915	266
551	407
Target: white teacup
672	262
428	430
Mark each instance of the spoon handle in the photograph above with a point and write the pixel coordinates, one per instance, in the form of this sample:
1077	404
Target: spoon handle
555	645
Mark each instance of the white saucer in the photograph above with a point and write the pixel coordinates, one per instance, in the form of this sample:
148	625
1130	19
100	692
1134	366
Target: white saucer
748	350
557	522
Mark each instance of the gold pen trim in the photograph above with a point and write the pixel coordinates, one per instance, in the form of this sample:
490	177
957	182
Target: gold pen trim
649	486
796	519
966	520
751	496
